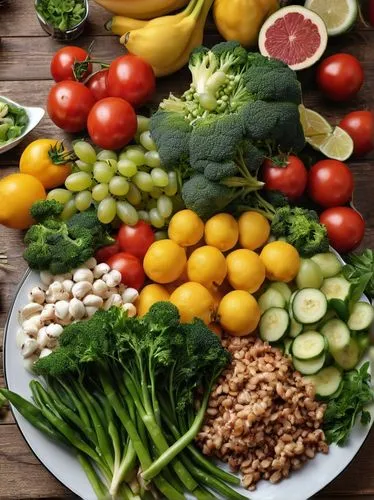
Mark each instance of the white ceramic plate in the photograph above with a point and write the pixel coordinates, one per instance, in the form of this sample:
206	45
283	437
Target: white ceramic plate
34	115
303	484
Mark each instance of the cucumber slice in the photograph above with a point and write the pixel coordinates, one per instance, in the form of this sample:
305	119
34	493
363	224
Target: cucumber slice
348	357
287	347
283	289
295	328
327	381
309	366
361	317
274	324
308	345
309	306
336	288
363	341
329	264
337	334
290	312
271	298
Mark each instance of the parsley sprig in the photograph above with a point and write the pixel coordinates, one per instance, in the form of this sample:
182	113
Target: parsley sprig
62	14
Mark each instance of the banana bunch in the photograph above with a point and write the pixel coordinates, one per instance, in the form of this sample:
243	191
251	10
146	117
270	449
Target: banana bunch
141	9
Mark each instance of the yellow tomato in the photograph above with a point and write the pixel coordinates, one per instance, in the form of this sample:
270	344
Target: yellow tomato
221	231
245	271
239	313
186	228
254	230
207	265
193	300
164	261
149	295
43	159
281	260
17	193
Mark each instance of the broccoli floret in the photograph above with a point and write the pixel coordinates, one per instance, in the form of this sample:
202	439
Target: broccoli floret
162	314
43	209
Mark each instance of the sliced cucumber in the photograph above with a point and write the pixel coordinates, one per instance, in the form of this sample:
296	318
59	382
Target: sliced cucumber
290	312
363	341
309	306
308	345
337	334
295	328
274	324
348	357
283	289
327	381
336	288
271	298
287	347
329	264
309	366
361	317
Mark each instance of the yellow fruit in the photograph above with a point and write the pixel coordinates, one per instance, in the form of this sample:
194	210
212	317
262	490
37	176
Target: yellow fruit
222	232
254	230
141	9
245	271
193	300
186	228
239	313
150	295
164	261
207	265
281	260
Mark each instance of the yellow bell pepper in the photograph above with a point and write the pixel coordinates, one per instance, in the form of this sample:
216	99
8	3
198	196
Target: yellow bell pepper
241	20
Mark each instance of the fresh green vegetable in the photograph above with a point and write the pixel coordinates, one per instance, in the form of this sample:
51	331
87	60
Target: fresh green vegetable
3	400
62	14
59	246
13	121
359	270
349	405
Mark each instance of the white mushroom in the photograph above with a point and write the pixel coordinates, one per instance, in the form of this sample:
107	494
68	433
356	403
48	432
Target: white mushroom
46	278
81	289
77	309
90	263
54	331
62	277
56	292
90	311
130	295
48	313
37	295
29	347
21	336
45	352
100	270
30	310
32	325
42	338
113	278
83	274
68	285
93	301
130	309
62	309
99	287
114	300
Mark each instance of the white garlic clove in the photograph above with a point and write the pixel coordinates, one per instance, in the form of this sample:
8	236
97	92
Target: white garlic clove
62	309
100	270
91	263
81	289
68	285
46	278
83	274
130	309
93	301
99	287
130	295
37	295
30	310
54	330
45	352
77	309
29	347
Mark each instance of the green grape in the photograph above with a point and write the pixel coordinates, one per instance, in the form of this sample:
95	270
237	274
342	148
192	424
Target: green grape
69	210
100	191
156	219
106	154
159	177
134	196
84	151
60	195
102	171
156	192
147	141
134	154
127	168
79	181
164	206
172	188
143	181
85	167
143	215
161	235
113	164
83	200
119	186
151	204
143	124
127	213
152	159
107	209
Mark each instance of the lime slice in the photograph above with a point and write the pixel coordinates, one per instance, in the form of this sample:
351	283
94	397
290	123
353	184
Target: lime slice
338	145
338	15
316	141
313	123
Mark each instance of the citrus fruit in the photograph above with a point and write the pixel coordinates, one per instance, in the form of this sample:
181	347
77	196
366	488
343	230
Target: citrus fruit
338	15
254	230
338	145
245	270
186	228
164	261
207	265
281	260
239	313
295	35
221	231
193	300
150	295
313	123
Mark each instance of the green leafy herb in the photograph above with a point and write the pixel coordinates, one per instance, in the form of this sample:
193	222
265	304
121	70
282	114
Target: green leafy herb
13	121
360	272
62	14
349	405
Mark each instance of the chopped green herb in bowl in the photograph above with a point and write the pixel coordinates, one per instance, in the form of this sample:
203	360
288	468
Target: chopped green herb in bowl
64	16
13	122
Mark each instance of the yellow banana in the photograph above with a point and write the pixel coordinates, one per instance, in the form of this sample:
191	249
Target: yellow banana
141	9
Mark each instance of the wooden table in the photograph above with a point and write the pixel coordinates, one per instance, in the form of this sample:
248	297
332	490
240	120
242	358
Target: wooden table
25	53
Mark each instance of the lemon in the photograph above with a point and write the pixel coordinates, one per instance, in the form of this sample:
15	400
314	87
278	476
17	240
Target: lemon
222	232
193	300
313	123
239	313
186	228
164	261
338	145
207	265
281	260
149	295
338	15
254	230
245	270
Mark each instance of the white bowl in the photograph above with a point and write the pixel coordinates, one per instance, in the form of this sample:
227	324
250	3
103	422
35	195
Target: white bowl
34	115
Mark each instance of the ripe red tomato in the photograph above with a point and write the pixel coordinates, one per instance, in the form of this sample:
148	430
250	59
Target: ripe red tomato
63	61
290	180
345	227
130	268
112	123
340	76
136	239
104	253
69	104
131	78
360	126
98	84
330	183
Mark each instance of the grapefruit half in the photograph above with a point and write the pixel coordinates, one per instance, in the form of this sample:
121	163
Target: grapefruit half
295	35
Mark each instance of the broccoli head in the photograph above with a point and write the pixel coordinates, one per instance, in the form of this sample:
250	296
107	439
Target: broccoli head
46	209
